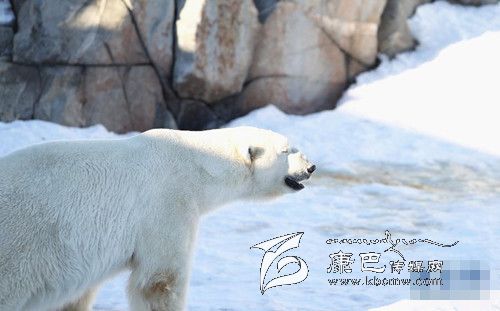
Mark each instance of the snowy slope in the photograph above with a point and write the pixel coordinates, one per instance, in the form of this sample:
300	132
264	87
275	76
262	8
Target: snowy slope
413	149
448	87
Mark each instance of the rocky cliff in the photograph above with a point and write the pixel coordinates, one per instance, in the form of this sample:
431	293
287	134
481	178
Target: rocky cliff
189	64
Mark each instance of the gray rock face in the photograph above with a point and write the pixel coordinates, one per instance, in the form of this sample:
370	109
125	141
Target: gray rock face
108	99
99	61
154	21
394	34
121	98
6	36
215	43
62	95
19	91
307	51
352	24
138	64
76	32
299	76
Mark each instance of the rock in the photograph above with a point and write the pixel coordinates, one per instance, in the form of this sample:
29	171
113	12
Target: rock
155	24
352	24
6	35
394	35
121	98
215	43
195	115
296	67
19	90
62	96
143	91
76	32
354	68
106	99
112	61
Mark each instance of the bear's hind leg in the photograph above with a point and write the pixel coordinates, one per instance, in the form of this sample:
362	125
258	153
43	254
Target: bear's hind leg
84	303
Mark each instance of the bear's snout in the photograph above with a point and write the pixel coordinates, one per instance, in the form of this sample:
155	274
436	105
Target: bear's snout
311	169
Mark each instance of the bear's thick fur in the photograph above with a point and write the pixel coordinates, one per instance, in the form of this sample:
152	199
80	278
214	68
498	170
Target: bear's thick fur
74	213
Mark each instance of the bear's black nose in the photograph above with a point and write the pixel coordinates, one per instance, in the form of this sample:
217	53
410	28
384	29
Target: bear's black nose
311	169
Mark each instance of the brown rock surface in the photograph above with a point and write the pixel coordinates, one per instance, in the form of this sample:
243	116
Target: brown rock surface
296	67
394	35
121	98
215	43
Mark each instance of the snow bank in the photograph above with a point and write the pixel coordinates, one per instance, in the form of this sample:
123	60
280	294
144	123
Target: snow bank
19	134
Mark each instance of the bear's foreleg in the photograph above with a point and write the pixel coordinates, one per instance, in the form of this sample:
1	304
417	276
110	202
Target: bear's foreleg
164	291
160	267
84	303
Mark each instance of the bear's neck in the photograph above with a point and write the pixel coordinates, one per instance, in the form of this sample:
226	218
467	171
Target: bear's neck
204	172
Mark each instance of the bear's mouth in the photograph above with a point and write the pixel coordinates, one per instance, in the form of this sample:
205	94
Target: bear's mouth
292	183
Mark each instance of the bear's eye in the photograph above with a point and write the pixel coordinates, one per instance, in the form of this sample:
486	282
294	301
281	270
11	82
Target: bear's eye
285	150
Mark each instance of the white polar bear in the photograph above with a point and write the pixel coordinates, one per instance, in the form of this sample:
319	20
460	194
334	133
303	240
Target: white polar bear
72	214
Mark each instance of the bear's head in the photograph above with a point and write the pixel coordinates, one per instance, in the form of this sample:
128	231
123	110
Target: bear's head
274	165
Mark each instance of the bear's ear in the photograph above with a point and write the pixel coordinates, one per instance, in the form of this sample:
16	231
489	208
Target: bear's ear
255	152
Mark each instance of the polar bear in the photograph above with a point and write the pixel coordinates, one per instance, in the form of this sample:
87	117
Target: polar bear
73	214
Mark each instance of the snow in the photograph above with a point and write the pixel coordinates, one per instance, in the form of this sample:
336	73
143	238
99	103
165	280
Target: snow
456	66
20	134
413	149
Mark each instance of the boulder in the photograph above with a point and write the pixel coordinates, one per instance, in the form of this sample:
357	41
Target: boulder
155	23
62	96
107	102
121	98
6	35
19	91
352	24
99	32
394	35
297	66
215	44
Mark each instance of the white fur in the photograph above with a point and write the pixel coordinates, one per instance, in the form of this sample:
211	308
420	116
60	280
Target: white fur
72	214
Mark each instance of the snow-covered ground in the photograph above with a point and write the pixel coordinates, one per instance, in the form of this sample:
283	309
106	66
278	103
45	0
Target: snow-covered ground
414	148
